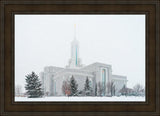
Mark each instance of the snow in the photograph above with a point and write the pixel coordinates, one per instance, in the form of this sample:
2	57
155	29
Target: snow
82	99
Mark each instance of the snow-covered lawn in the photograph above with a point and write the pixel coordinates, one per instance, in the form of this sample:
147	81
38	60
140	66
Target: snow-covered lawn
84	99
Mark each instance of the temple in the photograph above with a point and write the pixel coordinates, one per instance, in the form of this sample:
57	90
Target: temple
98	73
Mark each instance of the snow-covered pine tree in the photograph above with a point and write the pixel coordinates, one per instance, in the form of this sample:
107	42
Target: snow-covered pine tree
123	91
96	89
87	88
33	86
73	87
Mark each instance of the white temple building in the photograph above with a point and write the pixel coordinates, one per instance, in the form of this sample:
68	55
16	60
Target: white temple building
52	77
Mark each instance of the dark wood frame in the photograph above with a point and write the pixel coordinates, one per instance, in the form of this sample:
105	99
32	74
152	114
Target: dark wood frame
9	8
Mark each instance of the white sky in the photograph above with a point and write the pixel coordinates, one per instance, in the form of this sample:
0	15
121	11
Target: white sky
45	40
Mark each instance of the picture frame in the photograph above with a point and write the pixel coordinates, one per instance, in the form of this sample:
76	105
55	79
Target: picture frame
8	10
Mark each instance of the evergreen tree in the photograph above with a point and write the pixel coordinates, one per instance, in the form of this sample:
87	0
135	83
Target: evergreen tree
96	89
123	91
33	86
100	89
73	87
87	87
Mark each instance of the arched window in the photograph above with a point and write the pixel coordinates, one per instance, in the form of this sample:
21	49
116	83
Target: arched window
55	88
90	83
103	81
104	77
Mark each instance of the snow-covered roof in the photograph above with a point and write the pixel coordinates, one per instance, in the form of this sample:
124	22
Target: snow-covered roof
119	77
73	71
52	69
92	67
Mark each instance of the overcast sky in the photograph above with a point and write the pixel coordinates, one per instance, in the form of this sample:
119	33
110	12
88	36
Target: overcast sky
45	40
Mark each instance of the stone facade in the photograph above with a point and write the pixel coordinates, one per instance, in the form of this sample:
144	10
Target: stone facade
52	77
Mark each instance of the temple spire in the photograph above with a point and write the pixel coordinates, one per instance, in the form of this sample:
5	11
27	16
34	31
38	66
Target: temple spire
75	61
74	31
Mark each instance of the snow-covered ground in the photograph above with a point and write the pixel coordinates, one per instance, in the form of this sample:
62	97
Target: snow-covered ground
84	99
